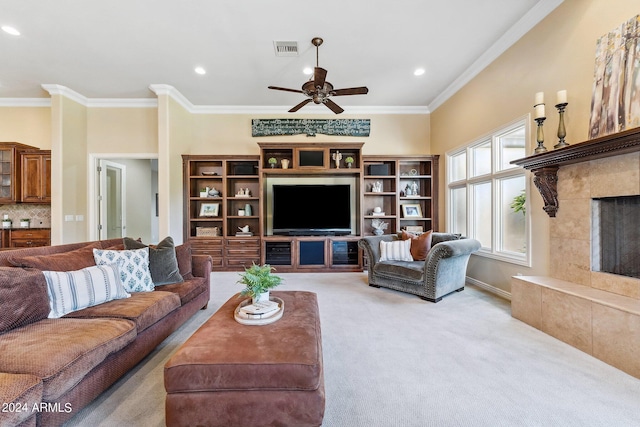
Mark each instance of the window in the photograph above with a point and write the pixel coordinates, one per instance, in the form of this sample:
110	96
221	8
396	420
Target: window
487	194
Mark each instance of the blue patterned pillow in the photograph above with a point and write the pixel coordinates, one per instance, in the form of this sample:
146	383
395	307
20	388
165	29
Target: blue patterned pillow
133	264
74	290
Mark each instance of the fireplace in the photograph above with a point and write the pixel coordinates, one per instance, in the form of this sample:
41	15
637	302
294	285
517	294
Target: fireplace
615	241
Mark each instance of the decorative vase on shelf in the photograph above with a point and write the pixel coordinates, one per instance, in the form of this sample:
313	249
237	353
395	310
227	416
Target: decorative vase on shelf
247	210
378	232
285	163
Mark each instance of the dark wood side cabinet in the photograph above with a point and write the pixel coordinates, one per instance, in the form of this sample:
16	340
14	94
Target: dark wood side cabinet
36	176
30	237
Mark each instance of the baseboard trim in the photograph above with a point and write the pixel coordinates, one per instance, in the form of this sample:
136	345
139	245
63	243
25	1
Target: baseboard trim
487	287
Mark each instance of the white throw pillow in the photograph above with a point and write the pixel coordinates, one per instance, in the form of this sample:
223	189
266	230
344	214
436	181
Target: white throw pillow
133	264
74	290
397	250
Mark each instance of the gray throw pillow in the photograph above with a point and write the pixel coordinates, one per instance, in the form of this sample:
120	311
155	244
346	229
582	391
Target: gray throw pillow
163	263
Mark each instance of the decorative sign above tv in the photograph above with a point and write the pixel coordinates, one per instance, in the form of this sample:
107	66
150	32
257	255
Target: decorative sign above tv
311	127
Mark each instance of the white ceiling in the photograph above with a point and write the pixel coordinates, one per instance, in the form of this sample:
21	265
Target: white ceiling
118	48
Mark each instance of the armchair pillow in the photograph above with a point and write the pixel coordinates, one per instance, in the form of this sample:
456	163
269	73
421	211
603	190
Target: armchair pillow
397	250
163	263
420	245
75	290
133	264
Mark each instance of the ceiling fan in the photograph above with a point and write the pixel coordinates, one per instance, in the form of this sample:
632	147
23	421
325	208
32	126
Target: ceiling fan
318	90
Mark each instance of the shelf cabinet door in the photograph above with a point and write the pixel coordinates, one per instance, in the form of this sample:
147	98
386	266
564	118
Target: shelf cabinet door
36	177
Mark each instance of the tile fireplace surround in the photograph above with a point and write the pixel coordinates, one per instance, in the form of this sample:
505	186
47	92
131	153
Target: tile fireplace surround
598	313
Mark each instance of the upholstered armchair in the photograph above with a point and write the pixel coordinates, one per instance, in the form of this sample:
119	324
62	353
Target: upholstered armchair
442	272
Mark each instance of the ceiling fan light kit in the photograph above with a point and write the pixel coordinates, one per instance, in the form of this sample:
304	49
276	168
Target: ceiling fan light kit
318	90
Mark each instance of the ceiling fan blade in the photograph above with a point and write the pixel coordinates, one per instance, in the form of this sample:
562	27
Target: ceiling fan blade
319	76
286	89
350	91
299	106
333	106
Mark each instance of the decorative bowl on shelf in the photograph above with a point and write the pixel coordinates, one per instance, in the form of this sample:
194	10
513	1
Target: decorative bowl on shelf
207	173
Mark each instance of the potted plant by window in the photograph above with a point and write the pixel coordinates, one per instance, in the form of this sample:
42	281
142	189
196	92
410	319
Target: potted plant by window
272	162
258	280
349	161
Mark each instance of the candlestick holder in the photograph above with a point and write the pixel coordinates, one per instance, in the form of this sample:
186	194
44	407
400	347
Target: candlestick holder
540	136
561	130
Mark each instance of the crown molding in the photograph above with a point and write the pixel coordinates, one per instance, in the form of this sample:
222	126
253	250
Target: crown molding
508	39
163	89
25	102
168	90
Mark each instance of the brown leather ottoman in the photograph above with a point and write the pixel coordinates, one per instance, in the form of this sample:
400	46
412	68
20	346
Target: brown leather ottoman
228	374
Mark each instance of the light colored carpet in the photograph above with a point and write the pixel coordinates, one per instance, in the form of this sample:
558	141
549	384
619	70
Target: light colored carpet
392	359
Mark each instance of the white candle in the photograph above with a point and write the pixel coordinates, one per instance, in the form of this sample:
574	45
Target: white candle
562	97
539	98
539	111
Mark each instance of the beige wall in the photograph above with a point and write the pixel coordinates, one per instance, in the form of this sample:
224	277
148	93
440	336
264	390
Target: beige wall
69	197
122	130
559	53
26	125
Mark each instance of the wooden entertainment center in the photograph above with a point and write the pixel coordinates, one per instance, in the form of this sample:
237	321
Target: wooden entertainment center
403	187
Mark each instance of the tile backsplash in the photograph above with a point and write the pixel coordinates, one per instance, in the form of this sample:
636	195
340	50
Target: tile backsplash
40	215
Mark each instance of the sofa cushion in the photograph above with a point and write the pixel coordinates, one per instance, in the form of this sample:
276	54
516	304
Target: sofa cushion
143	308
420	244
163	263
63	261
397	250
187	290
74	290
401	270
134	267
18	395
62	351
23	295
183	255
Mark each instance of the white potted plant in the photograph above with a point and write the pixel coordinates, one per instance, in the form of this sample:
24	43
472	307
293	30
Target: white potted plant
378	226
6	223
24	223
258	280
349	161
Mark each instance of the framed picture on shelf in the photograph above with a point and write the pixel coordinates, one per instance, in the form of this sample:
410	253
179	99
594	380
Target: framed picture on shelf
414	229
411	210
209	209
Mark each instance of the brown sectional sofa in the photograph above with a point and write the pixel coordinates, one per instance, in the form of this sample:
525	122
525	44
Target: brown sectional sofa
52	368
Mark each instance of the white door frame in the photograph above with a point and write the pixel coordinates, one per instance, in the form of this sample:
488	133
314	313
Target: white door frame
103	194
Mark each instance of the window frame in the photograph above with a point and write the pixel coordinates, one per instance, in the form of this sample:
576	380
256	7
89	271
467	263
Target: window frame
495	178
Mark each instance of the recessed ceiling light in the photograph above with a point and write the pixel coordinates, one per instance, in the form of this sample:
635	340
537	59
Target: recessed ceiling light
308	71
418	72
10	30
200	70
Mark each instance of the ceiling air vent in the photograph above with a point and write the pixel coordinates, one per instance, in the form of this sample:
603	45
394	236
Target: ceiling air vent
286	48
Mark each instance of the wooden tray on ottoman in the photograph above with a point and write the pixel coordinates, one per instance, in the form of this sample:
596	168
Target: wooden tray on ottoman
229	374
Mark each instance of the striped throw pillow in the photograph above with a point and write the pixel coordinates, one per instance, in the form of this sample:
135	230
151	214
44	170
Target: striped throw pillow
74	290
397	250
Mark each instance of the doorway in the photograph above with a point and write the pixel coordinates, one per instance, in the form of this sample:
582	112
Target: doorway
124	198
112	202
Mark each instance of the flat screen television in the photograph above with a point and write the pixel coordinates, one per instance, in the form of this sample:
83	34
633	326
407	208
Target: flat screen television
313	209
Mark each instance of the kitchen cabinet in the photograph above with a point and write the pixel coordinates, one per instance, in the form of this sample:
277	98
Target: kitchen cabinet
36	176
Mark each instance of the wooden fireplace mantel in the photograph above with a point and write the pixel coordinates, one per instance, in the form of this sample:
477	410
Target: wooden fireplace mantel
545	166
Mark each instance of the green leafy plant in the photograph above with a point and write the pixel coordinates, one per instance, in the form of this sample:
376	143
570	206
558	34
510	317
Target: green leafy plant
519	203
258	279
349	160
272	160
